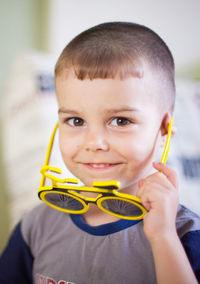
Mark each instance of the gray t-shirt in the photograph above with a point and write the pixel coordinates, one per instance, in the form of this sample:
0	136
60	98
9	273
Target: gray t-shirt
67	250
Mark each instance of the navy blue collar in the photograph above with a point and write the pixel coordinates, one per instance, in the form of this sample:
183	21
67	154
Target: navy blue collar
102	230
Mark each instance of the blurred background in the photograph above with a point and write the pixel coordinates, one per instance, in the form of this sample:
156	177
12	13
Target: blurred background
33	33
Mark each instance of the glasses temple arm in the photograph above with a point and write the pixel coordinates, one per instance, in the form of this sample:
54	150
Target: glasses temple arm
48	155
167	144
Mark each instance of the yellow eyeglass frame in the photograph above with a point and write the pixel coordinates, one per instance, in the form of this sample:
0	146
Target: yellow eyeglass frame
106	189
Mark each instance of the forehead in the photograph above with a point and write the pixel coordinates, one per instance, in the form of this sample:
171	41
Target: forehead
134	91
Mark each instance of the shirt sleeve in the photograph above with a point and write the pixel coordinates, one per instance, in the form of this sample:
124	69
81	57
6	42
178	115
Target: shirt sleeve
16	260
191	243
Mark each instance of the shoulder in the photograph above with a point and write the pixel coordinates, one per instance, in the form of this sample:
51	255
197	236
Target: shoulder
34	219
37	216
186	221
188	227
42	223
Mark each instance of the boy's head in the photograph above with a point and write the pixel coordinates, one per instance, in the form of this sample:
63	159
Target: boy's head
115	90
121	50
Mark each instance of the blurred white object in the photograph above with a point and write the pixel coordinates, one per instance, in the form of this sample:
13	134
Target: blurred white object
184	153
29	113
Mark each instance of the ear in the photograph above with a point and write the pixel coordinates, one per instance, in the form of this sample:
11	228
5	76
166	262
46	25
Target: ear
164	128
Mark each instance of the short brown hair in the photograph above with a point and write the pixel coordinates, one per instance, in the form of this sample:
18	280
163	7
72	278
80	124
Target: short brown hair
116	49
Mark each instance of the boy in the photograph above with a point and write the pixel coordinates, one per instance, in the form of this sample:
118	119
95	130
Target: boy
115	90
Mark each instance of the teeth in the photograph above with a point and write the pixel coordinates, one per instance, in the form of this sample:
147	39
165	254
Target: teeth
99	165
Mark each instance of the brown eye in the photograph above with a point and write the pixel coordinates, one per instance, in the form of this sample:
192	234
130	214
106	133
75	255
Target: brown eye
120	121
76	121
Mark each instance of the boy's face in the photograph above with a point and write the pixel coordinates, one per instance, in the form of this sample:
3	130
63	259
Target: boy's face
109	129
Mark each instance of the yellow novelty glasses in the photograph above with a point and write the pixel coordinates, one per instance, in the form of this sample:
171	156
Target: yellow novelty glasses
65	194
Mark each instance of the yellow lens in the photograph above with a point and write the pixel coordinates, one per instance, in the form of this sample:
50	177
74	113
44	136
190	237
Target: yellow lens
65	202
121	208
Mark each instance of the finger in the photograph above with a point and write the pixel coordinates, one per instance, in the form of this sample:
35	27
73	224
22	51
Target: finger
168	172
151	192
140	187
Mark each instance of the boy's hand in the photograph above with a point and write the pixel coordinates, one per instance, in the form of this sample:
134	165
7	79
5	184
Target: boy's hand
159	195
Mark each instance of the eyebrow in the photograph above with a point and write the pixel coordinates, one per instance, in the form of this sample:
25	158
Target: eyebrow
64	110
113	110
122	109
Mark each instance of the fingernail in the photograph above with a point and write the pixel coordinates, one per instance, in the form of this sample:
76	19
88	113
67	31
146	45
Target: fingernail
140	182
157	163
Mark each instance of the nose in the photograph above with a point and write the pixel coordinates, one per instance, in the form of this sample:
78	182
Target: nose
96	140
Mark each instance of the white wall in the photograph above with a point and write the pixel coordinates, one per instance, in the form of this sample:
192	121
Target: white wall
176	21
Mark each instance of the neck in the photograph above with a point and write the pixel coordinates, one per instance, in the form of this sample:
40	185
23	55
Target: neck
95	217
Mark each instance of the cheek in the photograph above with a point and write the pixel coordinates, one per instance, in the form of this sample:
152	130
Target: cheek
133	147
67	147
137	154
139	150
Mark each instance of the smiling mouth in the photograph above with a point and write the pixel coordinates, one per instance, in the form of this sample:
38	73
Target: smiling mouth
100	166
